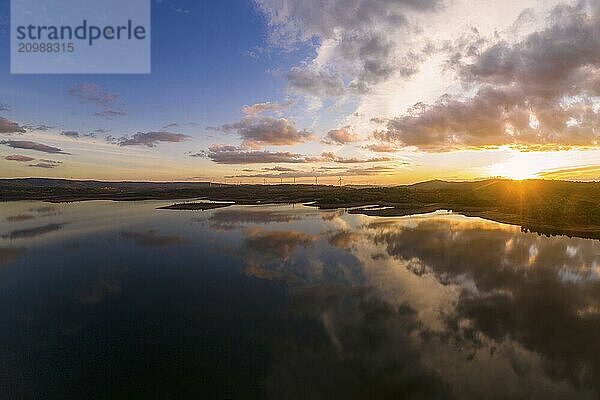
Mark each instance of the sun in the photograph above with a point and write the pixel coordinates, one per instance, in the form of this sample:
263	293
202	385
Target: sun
517	168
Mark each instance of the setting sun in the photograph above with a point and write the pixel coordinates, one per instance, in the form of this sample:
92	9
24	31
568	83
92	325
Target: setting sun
517	169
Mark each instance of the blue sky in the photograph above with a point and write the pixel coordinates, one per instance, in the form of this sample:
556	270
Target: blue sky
194	77
376	92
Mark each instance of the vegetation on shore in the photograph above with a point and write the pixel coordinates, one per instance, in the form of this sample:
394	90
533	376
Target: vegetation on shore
543	206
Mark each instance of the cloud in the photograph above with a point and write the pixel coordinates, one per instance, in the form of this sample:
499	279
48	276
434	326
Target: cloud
28	145
323	172
546	63
231	218
586	172
380	148
315	83
227	154
498	301
179	125
343	239
71	134
18	157
224	154
538	91
262	131
353	39
261	245
340	136
40	127
259	108
172	6
151	139
7	126
48	164
92	93
152	239
279	169
332	157
110	113
4	107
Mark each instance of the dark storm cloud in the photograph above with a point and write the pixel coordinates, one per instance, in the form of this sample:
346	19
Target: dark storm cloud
28	145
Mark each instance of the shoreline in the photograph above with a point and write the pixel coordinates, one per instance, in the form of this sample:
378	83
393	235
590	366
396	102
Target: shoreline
373	209
543	207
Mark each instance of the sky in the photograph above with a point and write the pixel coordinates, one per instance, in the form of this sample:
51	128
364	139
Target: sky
358	91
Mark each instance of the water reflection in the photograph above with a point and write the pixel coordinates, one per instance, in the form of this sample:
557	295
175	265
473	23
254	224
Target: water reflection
32	232
291	302
235	218
152	238
9	254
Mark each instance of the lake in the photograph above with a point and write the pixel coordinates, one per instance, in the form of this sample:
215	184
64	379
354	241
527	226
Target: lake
116	300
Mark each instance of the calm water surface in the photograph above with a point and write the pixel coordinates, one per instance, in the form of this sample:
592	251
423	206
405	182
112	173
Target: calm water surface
115	300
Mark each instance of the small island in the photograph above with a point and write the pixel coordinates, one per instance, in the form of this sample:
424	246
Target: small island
195	206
